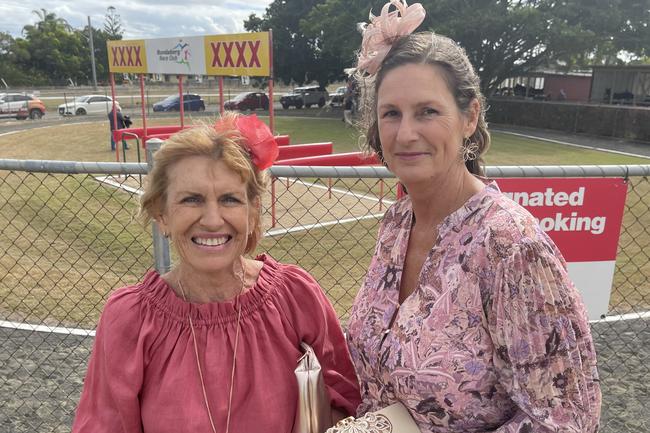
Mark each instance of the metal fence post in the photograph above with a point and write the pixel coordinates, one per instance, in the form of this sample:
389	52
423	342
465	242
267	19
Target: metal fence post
161	254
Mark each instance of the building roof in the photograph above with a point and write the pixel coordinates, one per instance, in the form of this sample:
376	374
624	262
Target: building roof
637	68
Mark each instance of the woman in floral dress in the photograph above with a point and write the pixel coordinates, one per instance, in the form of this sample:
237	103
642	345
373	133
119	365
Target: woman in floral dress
467	315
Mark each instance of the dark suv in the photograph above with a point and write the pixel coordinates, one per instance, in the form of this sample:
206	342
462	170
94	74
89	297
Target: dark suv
307	96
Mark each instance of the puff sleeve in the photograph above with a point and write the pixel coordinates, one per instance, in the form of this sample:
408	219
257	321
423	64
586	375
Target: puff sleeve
110	398
316	323
544	352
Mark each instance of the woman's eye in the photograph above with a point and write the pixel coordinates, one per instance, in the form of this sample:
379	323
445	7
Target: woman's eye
389	113
429	111
229	199
191	199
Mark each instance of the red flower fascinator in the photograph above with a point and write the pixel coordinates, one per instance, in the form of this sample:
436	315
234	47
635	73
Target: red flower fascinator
258	139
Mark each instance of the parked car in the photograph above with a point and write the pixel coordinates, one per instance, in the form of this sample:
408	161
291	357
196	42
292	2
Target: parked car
338	97
21	106
248	101
87	104
191	102
307	96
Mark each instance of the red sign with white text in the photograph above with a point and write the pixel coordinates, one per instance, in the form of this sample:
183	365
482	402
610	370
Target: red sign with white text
583	216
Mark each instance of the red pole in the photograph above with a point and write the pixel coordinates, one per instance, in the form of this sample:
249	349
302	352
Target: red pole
117	147
144	114
180	95
221	95
271	111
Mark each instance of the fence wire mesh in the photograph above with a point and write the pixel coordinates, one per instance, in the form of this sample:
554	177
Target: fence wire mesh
68	240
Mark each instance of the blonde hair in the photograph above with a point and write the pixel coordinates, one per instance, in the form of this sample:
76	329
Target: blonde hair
462	81
224	145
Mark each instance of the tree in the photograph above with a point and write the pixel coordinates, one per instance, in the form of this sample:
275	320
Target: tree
503	38
615	27
100	37
336	38
113	24
295	54
53	49
6	42
8	70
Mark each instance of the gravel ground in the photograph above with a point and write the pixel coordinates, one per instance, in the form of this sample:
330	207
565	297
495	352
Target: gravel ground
41	376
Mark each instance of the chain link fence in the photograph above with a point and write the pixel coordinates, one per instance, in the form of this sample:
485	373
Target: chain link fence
68	238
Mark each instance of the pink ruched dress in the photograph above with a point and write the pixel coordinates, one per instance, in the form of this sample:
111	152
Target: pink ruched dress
142	375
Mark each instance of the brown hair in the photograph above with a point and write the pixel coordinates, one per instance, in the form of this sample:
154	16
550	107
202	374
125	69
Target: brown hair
204	140
464	84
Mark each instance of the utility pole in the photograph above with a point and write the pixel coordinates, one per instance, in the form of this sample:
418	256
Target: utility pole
92	54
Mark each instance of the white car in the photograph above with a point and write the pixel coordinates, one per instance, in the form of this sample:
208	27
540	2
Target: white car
87	104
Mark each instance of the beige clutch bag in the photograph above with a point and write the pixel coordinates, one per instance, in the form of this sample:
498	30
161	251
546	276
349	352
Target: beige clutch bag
313	413
392	419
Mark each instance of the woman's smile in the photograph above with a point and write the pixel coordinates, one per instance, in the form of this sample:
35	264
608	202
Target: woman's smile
211	241
411	156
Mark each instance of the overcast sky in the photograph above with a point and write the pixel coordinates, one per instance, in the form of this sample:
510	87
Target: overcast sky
140	19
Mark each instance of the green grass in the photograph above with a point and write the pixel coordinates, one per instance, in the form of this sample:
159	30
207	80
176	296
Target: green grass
337	256
631	287
89	142
67	241
302	130
508	149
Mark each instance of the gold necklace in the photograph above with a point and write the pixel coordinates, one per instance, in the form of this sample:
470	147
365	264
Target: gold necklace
198	363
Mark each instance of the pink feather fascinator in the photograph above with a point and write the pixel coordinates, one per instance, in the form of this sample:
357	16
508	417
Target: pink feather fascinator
384	29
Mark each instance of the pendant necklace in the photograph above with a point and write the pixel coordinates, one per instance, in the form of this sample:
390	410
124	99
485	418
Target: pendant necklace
198	362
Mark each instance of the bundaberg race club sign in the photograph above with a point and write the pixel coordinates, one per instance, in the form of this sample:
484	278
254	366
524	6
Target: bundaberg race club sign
242	54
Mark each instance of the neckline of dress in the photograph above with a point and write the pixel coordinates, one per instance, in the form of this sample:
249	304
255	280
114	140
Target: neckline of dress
459	214
445	225
160	294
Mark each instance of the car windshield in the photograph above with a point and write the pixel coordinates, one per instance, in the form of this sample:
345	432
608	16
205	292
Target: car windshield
170	98
240	97
82	99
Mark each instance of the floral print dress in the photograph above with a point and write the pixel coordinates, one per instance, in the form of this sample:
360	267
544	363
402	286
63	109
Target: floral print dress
495	335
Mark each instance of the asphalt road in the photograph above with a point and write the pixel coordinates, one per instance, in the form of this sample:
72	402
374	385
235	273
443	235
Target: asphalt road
53	119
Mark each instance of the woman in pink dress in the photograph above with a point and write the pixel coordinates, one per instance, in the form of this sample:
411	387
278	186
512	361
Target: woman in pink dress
212	345
466	316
